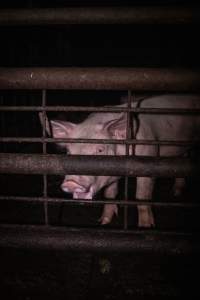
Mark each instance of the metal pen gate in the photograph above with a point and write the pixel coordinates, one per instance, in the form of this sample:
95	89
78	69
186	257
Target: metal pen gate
132	80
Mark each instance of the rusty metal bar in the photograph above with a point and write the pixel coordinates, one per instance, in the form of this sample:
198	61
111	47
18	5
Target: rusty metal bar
113	109
184	14
128	136
59	238
119	202
44	148
97	165
97	141
142	79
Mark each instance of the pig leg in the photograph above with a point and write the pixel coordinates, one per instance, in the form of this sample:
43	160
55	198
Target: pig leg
109	210
144	191
178	186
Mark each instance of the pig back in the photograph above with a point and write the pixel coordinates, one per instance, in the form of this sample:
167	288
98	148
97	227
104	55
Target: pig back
169	126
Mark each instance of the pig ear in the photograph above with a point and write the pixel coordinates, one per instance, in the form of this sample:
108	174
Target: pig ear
61	129
117	127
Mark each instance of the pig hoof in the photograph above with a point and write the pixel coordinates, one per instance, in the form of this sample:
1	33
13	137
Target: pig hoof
105	220
145	217
177	192
108	212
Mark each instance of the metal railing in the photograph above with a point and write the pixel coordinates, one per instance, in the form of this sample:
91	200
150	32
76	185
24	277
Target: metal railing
184	14
137	79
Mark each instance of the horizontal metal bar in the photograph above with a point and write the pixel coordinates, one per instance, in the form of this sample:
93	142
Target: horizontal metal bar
97	165
97	141
102	15
66	239
119	202
138	79
64	108
103	109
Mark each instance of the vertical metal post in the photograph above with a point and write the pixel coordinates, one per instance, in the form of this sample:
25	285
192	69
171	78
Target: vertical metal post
44	152
128	136
2	123
14	118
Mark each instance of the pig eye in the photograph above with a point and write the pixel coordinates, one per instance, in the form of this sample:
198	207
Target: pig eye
100	149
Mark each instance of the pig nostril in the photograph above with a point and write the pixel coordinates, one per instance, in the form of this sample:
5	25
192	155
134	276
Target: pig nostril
65	189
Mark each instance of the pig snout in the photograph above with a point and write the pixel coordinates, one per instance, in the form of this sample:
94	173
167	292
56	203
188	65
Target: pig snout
79	191
71	186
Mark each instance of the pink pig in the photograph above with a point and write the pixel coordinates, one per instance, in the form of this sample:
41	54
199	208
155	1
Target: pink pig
159	127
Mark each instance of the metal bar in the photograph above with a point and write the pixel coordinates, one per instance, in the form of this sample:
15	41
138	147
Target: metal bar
119	202
2	122
98	165
97	141
128	136
44	148
184	14
142	79
103	109
59	238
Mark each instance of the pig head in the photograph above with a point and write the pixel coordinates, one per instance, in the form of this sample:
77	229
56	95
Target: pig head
84	187
96	126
